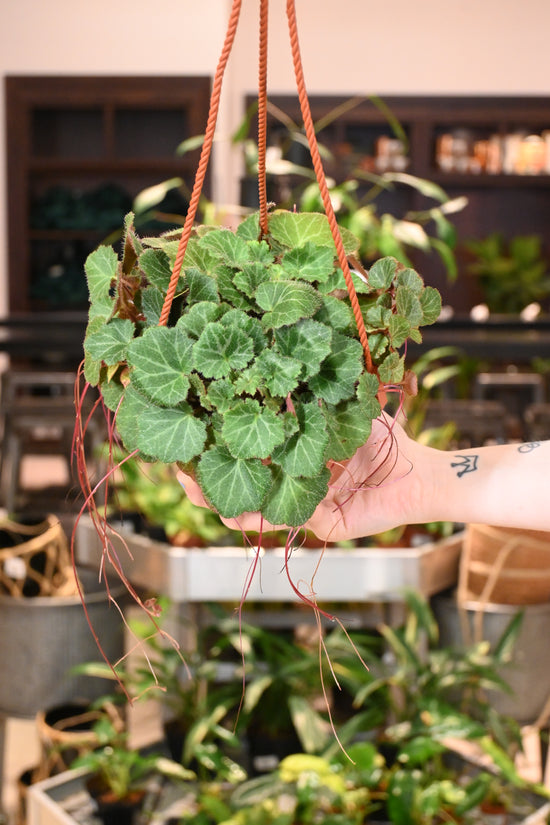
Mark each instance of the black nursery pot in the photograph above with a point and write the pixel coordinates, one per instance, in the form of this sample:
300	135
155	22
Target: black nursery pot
113	811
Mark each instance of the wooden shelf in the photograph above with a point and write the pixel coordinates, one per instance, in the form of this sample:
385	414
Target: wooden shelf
79	136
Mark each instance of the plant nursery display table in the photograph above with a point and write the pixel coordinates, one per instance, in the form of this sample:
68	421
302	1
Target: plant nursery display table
375	576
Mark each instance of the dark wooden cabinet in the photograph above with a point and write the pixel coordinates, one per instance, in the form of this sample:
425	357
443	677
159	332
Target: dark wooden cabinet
79	149
495	151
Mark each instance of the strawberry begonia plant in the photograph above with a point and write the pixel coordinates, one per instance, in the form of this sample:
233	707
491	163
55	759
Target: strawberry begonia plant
258	381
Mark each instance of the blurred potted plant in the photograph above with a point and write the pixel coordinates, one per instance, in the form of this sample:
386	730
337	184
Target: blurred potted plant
512	274
119	774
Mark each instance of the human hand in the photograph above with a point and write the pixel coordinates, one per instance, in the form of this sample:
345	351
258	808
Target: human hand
371	492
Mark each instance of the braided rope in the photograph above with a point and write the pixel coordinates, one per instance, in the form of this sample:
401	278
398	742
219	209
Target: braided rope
262	116
321	180
203	162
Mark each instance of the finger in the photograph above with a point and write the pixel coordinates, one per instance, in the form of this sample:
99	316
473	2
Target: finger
192	489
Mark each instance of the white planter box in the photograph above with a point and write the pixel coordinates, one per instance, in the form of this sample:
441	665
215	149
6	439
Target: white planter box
218	573
55	800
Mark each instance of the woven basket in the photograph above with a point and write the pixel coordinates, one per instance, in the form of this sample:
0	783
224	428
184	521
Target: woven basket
35	559
504	565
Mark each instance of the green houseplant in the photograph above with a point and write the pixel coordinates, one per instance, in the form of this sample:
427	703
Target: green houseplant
258	379
512	274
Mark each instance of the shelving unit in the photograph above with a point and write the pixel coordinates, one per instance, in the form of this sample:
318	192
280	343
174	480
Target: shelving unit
79	150
511	203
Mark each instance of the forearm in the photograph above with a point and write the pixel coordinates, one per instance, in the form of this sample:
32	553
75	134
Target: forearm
504	485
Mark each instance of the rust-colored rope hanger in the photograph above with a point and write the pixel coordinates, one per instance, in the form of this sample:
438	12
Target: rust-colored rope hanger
262	130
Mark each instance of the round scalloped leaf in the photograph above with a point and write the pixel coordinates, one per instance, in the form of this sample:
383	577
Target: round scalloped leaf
399	330
156	266
131	408
294	229
161	358
101	268
286	302
202	287
430	300
198	316
280	373
336	379
226	246
221	349
170	435
110	343
232	485
252	431
304	452
308	262
292	501
382	272
307	341
367	390
348	427
407	303
152	302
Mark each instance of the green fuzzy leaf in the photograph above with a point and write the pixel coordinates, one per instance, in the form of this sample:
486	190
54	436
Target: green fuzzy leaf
249	381
260	252
131	408
292	501
228	291
251	276
197	257
307	341
308	262
304	453
348	428
337	281
160	360
156	266
247	324
408	277
430	301
221	394
392	369
110	343
335	313
249	229
112	393
221	349
286	302
252	431
280	373
228	248
232	485
294	229
202	287
152	302
399	330
197	318
407	303
367	390
101	268
339	371
381	273
171	434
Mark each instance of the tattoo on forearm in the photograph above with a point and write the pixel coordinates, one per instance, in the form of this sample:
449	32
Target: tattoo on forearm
528	447
466	463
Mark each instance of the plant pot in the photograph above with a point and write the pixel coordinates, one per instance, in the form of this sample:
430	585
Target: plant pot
528	673
113	811
49	635
505	565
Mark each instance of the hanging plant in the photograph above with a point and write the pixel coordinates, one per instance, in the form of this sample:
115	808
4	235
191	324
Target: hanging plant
258	380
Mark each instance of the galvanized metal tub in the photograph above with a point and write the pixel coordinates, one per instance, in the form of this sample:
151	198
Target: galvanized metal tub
42	638
528	673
